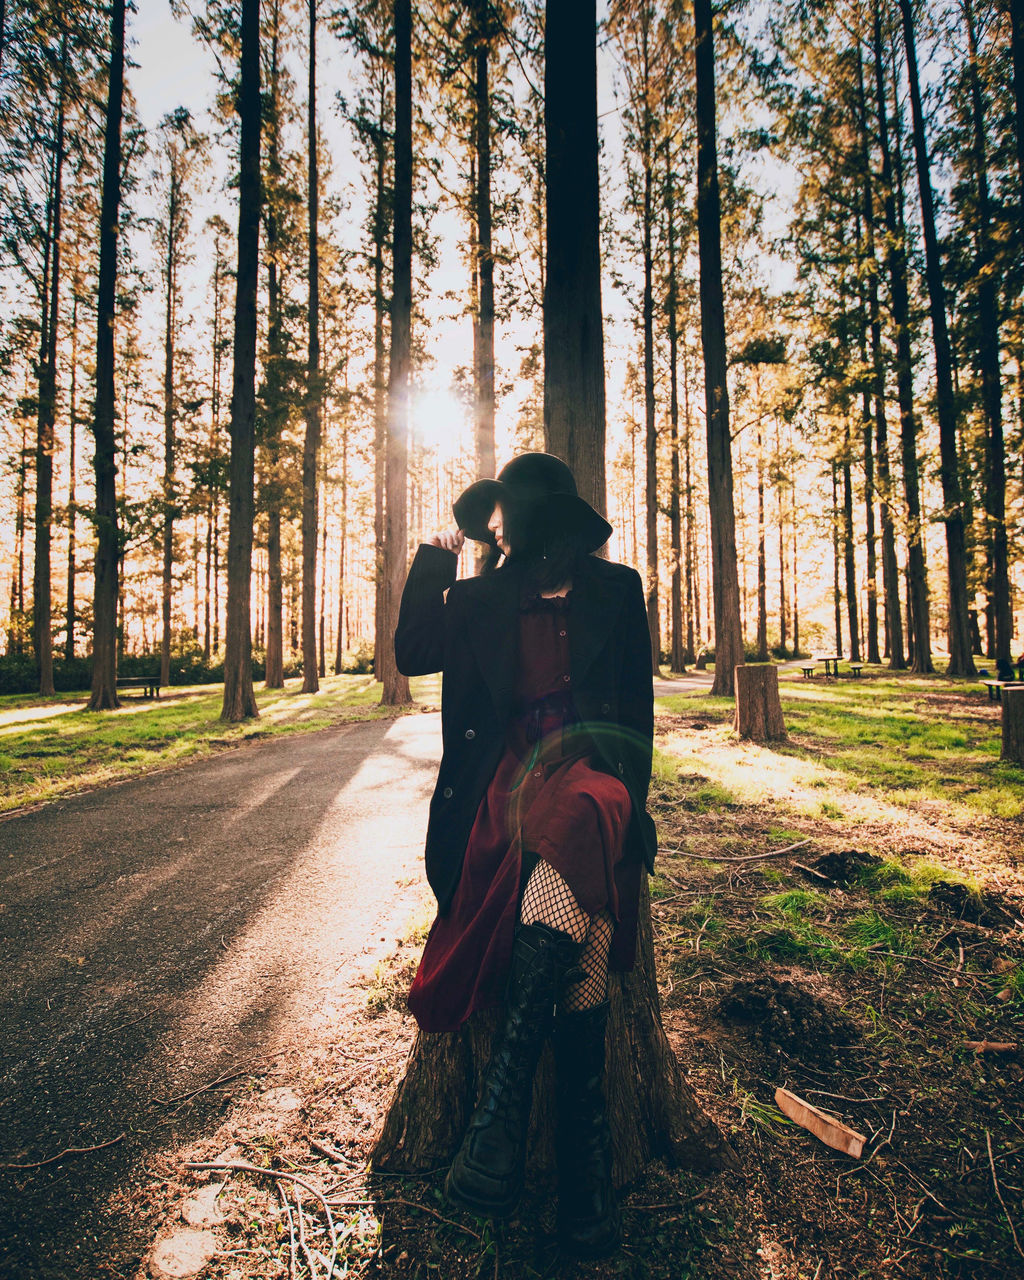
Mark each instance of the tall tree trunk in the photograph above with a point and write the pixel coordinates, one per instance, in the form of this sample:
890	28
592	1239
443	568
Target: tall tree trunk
779	486
314	394
892	611
919	619
104	634
678	658
574	402
693	615
1015	18
484	330
47	410
986	275
239	698
396	686
762	566
726	590
961	663
339	643
849	560
837	597
382	637
274	379
69	640
169	415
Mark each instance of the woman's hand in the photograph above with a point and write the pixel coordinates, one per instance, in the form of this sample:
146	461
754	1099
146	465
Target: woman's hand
449	539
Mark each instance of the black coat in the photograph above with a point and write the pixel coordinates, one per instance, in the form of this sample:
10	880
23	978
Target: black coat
472	637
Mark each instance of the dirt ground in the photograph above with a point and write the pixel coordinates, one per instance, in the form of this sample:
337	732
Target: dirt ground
856	970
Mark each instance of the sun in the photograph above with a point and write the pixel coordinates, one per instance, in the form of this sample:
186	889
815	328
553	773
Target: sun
438	417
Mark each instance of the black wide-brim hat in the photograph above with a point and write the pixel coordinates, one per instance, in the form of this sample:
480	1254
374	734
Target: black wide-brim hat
543	490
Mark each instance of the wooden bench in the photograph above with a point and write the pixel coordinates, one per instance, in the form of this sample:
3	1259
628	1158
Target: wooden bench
151	684
808	670
855	669
995	688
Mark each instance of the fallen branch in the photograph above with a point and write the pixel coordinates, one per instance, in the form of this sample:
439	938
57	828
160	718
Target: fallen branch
68	1151
750	857
291	1230
991	1046
999	1194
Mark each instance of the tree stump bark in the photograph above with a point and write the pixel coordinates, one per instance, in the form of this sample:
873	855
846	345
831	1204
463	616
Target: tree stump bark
651	1108
758	709
1013	724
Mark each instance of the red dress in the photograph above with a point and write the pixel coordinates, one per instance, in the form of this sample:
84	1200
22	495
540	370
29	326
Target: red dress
545	800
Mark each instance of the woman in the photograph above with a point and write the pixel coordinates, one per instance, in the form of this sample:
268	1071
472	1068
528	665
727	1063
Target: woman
538	828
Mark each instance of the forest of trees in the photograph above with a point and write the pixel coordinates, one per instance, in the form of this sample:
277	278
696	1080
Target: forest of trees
803	225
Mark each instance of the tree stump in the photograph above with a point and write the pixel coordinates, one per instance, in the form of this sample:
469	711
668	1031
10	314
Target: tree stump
651	1108
758	709
1013	724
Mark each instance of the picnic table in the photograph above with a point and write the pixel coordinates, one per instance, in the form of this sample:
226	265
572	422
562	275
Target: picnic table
832	662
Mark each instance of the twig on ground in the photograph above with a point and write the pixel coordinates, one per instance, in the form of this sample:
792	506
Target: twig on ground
187	1097
300	1214
750	857
332	1153
291	1230
423	1208
68	1151
999	1194
244	1166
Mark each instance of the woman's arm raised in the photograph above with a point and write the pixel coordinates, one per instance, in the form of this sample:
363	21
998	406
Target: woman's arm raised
419	636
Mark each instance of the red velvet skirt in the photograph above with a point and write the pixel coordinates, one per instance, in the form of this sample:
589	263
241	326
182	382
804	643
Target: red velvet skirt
544	801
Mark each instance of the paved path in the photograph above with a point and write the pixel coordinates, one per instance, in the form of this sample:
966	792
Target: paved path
155	934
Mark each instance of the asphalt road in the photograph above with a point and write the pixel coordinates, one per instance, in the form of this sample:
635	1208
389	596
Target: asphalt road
155	934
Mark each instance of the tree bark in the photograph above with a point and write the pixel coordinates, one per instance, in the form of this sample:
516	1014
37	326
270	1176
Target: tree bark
918	617
574	400
849	560
396	686
169	414
961	663
239	698
1013	725
651	1109
42	606
69	640
725	582
104	636
758	708
483	364
679	654
762	564
314	393
382	637
987	278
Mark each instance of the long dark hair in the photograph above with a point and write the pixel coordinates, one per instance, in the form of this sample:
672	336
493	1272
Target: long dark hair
546	559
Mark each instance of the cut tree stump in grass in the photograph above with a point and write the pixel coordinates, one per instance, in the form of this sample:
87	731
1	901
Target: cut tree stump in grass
651	1108
758	709
1013	724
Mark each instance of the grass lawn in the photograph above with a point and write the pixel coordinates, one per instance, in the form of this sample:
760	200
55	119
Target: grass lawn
49	747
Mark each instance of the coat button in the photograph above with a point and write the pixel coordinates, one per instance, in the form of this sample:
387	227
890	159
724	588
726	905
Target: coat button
621	767
566	679
447	793
470	733
605	708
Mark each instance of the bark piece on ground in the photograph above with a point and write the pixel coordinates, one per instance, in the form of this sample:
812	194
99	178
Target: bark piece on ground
758	709
827	1128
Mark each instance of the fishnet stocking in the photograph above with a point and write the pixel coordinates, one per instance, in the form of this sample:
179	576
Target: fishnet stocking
593	986
547	899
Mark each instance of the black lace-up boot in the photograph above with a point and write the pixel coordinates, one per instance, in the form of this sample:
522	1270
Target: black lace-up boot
588	1215
486	1176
